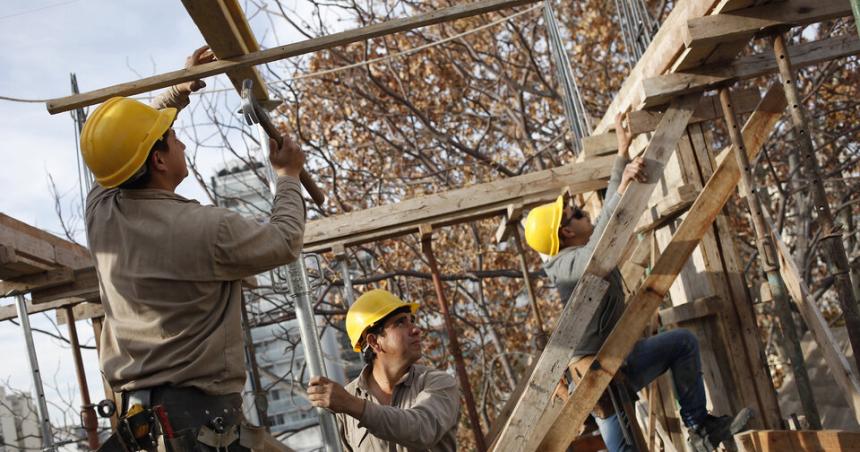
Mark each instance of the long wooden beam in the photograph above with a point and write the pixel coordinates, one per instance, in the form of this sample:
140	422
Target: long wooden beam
648	297
741	25
642	121
659	90
797	440
279	53
522	431
456	206
225	28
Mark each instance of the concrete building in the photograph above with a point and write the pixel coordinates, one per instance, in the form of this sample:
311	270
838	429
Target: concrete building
241	186
19	423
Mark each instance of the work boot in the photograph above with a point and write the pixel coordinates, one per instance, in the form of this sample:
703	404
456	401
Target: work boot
716	430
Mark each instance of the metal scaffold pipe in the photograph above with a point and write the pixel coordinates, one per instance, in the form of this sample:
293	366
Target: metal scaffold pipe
41	403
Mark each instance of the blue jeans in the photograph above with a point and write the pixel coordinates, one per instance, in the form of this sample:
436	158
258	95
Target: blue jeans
677	350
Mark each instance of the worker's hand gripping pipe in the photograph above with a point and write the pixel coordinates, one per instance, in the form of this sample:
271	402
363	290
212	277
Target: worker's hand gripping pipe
295	276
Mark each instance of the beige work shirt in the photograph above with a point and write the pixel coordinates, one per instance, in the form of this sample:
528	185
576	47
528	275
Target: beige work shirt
169	273
423	414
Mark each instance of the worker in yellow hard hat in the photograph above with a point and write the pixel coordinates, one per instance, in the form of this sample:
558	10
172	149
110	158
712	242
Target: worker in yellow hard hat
565	235
170	274
394	404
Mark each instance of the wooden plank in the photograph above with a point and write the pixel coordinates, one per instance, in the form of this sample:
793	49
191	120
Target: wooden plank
642	121
550	365
279	53
633	202
648	297
41	280
511	220
798	440
8	312
39	245
82	311
84	285
225	28
673	205
659	90
600	144
520	433
840	369
741	25
455	206
694	310
14	265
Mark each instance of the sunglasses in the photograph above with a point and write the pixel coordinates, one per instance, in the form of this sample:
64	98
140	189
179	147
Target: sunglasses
575	214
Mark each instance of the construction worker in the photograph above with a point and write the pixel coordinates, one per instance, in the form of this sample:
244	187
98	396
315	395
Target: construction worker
170	274
394	404
567	237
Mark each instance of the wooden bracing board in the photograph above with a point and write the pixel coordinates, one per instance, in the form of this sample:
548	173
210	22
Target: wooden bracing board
520	431
644	303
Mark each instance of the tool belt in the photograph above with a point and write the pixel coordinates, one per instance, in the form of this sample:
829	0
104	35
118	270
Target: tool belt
183	419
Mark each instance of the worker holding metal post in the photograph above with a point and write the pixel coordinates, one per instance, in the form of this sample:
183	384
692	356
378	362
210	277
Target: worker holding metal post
170	274
394	404
565	235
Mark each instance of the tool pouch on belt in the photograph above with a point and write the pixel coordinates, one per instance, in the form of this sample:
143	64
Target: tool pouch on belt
604	408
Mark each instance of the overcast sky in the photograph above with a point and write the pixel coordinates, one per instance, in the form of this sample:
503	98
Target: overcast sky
104	42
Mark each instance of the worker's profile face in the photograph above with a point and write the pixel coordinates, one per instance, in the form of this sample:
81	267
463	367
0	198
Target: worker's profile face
574	222
401	337
176	156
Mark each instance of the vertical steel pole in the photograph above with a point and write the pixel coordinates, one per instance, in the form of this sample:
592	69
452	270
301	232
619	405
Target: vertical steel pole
41	403
769	263
832	247
298	283
89	421
343	263
297	279
453	341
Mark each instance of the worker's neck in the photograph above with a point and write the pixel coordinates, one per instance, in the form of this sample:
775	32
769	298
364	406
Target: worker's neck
386	373
161	183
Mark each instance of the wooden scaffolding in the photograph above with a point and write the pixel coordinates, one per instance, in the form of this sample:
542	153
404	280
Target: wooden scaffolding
673	225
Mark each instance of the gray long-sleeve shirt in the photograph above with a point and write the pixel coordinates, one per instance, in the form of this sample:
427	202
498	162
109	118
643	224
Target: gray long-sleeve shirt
422	416
566	268
169	274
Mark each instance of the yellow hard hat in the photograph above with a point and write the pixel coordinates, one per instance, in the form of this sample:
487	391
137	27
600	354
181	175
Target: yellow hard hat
542	227
118	136
371	307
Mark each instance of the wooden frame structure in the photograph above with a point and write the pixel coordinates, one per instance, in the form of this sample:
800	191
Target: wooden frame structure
697	266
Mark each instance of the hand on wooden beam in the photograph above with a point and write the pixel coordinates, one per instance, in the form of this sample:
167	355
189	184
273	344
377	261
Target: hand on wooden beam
200	56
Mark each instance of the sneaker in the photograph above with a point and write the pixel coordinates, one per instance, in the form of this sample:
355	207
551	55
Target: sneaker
716	430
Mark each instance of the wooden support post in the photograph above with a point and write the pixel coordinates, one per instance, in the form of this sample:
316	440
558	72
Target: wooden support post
522	432
648	297
89	421
832	246
840	369
426	232
769	264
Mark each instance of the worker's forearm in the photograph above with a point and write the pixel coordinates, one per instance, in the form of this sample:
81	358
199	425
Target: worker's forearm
354	406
